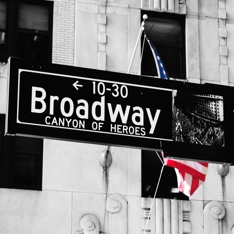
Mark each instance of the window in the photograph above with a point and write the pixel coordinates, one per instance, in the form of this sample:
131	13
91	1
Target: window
2	29
167	33
26	30
20	161
151	168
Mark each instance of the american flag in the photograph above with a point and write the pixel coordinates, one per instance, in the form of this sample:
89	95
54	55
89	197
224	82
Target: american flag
162	73
190	174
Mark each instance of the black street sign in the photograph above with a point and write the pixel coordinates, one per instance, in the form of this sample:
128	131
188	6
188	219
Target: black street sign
79	107
93	106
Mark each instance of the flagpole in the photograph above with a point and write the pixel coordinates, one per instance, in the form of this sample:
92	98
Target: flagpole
142	51
137	41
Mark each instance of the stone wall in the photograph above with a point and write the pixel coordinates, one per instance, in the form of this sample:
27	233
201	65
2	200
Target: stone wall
77	191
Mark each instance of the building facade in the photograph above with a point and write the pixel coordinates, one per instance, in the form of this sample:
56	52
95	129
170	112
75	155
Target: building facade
90	188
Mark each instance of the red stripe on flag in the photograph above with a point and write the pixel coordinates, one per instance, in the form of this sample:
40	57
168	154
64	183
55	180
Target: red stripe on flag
190	174
190	167
194	185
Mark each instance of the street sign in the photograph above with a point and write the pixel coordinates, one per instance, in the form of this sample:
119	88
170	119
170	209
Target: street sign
93	106
100	107
78	107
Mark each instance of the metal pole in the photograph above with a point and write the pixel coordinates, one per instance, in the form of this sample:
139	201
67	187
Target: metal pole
137	41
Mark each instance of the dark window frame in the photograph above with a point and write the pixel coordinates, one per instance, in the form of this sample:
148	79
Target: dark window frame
12	26
3	48
151	167
21	169
10	176
147	59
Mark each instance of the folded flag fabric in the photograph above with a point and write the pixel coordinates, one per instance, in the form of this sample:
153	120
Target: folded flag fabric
190	174
162	73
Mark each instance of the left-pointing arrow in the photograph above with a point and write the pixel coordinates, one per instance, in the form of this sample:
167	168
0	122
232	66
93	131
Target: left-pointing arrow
76	85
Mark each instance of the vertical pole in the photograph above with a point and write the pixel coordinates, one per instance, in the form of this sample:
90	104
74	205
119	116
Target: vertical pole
174	217
167	216
159	216
157	4
137	41
164	5
171	6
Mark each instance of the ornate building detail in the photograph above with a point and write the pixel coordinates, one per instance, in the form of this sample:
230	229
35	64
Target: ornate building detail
114	204
102	37
117	215
89	224
165	216
223	169
214	212
223	51
173	6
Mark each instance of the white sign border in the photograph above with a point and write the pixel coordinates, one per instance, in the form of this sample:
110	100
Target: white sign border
83	78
